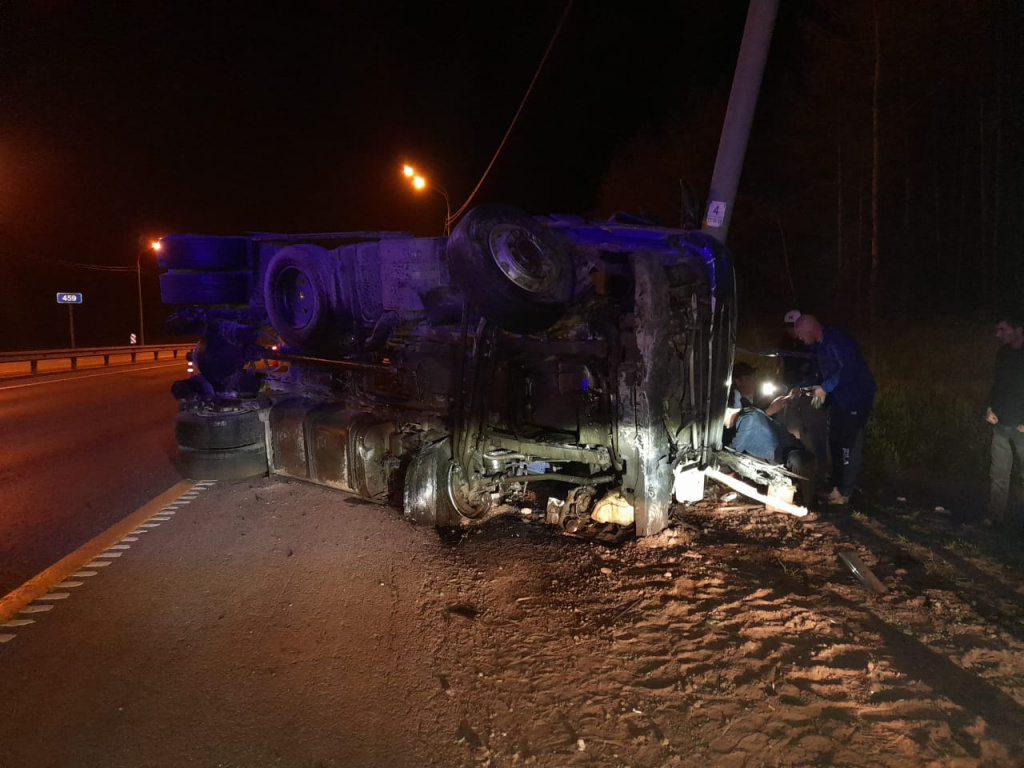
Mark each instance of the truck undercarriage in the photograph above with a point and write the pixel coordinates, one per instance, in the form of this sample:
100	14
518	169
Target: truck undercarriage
448	375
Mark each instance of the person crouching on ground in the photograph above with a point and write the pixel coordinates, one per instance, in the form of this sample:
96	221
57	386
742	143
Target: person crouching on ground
850	390
750	430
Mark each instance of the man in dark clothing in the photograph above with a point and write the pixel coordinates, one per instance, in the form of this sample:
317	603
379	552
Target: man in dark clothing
1006	415
803	416
850	388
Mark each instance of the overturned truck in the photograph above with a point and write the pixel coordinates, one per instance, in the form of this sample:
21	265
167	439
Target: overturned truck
451	375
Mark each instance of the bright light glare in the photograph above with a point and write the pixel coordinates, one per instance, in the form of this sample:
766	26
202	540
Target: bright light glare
408	171
419	182
768	388
156	245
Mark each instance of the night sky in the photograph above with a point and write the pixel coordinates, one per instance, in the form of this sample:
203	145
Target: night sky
121	120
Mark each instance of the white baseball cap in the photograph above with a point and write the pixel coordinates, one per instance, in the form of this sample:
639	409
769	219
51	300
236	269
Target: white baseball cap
792	316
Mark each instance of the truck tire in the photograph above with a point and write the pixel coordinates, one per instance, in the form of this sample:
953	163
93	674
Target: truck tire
510	268
429	496
215	430
231	464
300	301
205	288
203	252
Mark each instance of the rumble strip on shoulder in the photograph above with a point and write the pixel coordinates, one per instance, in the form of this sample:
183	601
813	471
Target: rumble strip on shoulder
41	592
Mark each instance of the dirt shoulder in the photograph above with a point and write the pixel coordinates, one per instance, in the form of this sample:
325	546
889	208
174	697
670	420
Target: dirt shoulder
738	638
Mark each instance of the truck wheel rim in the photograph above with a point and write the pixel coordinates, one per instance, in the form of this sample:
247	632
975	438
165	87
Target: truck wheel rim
297	300
520	258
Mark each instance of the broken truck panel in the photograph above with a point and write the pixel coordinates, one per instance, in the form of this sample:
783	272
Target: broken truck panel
451	375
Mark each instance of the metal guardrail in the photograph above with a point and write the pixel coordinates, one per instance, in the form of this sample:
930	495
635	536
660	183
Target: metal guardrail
33	357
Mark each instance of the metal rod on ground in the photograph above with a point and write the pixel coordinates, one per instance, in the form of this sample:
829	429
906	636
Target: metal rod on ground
749	490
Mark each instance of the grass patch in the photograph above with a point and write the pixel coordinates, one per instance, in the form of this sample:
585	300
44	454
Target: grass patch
939	432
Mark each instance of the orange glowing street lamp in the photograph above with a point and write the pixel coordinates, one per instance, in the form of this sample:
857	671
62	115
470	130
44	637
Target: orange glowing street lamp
155	246
419	182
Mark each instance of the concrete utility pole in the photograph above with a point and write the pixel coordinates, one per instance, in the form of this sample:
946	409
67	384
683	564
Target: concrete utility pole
757	39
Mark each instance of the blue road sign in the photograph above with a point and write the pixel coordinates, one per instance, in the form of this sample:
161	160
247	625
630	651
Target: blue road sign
69	298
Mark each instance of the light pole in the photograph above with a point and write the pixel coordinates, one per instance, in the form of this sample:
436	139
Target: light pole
155	246
419	182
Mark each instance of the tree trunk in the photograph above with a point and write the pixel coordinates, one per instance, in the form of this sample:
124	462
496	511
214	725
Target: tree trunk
938	156
785	257
873	279
839	197
997	168
986	274
961	235
909	255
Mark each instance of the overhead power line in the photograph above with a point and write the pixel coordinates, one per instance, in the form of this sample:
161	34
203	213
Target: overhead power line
515	118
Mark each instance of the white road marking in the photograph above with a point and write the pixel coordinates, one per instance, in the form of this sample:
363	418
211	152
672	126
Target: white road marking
139	531
7	638
13	623
34	596
88	376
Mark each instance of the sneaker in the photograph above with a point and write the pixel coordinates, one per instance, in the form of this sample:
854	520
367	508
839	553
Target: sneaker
837	498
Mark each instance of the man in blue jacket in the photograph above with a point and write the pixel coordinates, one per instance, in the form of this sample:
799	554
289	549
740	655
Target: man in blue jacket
850	390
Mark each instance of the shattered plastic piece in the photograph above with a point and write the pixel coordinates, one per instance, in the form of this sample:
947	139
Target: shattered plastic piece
613	508
940	509
901	498
688	484
581	745
554	511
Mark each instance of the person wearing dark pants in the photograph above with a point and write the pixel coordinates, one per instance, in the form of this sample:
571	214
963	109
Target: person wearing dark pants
1005	413
849	387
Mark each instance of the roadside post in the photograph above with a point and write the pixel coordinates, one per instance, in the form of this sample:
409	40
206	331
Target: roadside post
70	299
746	85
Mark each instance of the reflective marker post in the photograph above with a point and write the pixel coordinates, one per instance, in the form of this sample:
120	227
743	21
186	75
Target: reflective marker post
70	299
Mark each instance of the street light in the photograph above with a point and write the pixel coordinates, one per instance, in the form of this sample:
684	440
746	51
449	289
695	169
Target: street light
419	182
156	246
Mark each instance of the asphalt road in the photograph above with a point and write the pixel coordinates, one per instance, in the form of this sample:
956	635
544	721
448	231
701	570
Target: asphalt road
78	452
